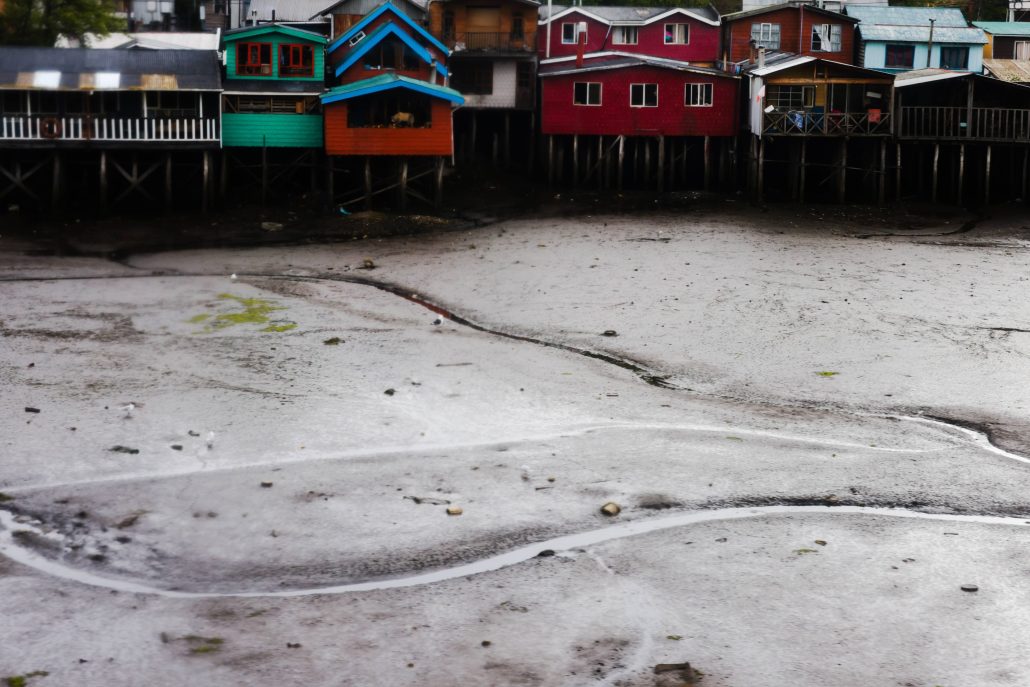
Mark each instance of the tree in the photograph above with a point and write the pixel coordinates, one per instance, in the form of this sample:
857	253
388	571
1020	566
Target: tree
40	22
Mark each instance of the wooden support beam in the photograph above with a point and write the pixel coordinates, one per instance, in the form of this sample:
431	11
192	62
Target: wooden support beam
600	162
804	170
647	162
636	159
19	179
472	146
103	182
368	182
550	161
708	163
987	178
961	172
661	164
404	184
438	184
842	174
56	183
531	152
897	172
1026	159
507	140
575	159
330	185
168	182
622	157
264	173
205	188
881	181
761	171
223	177
933	179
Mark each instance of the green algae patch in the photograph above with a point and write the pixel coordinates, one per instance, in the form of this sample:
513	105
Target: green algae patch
252	311
22	680
827	373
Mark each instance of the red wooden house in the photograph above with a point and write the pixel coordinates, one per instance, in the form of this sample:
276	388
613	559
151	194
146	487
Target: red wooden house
800	29
391	101
685	34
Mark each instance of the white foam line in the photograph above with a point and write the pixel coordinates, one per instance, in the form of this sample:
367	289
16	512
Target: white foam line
10	548
979	438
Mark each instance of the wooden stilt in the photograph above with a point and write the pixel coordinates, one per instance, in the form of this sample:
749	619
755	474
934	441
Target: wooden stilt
761	170
961	171
1026	159
550	161
56	184
987	178
600	162
438	187
897	172
223	177
684	148
103	182
936	162
368	182
205	189
575	159
507	140
881	181
560	164
330	182
312	156
622	156
842	174
647	162
804	169
494	149
636	160
403	184
531	152
264	173
708	163
168	182
472	145
661	164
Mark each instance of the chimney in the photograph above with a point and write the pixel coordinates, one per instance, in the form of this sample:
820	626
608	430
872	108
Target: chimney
761	57
273	15
581	43
432	72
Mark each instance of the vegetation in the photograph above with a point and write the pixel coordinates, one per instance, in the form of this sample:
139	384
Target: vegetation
40	22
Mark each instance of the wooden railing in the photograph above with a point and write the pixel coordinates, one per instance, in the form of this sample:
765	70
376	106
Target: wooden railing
125	129
493	41
978	123
808	123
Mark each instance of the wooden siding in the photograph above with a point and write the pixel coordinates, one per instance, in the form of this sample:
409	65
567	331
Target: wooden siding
702	46
737	34
357	72
461	25
276	40
615	116
1004	47
272	130
387	141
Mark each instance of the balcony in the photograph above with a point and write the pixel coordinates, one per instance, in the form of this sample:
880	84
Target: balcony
48	128
965	124
813	123
492	42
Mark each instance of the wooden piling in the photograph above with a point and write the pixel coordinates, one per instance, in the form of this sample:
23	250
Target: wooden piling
403	184
368	182
264	171
881	181
575	159
622	156
708	163
961	171
987	178
804	172
438	185
933	178
507	140
205	182
600	163
56	183
897	172
550	161
103	182
661	164
842	173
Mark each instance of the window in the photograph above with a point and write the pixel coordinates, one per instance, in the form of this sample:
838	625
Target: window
791	97
677	34
473	78
570	32
296	60
625	35
1021	50
254	59
766	36
954	58
448	25
356	39
518	26
900	56
826	38
268	104
698	95
586	93
643	95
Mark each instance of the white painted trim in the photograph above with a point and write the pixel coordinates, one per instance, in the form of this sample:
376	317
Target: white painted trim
600	94
656	101
659	17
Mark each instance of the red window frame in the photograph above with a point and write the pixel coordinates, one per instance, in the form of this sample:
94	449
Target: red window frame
252	58
296	59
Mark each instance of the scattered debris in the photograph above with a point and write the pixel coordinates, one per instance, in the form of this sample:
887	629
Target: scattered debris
123	449
611	509
671	667
485	642
193	434
969	588
428	499
820	542
368	264
674	638
334	341
266	485
31	410
827	373
609	332
22	680
722	540
454	510
546	553
801	552
390	392
5	497
130	520
203	645
292	645
176	447
272	226
438	321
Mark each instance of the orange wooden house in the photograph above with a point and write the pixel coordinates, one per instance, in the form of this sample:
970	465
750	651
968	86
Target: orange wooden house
391	104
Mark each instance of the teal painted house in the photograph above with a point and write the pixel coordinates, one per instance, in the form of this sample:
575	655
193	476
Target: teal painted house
274	75
901	39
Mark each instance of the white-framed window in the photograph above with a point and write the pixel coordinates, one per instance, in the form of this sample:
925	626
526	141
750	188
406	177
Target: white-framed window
698	95
1021	50
791	97
766	36
677	34
643	95
625	35
356	39
825	37
586	93
570	32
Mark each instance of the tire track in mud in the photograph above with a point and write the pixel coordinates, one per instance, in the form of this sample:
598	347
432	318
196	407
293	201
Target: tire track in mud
563	545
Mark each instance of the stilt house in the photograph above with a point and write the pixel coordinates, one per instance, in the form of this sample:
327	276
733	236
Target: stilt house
125	118
1007	53
899	39
391	100
800	29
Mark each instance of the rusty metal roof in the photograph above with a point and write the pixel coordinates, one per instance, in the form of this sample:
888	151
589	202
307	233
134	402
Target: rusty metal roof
85	69
1017	71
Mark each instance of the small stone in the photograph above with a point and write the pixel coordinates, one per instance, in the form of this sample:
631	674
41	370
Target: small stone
546	553
267	485
609	332
390	392
272	226
820	542
611	509
368	264
485	642
969	588
176	447
550	479
292	645
721	540
31	410
124	449
454	510
333	341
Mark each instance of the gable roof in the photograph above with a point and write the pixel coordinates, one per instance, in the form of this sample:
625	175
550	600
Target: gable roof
378	36
630	16
787	6
604	61
420	5
378	12
1004	28
912	24
74	69
262	29
386	82
788	61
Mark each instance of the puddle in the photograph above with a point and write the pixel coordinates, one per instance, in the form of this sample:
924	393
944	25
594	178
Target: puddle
10	548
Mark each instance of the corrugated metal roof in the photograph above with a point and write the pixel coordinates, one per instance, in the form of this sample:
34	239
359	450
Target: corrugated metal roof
907	16
1004	28
780	65
1016	71
285	10
921	34
920	76
630	15
150	40
88	69
784	6
614	60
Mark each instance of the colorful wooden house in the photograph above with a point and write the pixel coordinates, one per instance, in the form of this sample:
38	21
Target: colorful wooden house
1007	53
800	29
899	39
805	111
136	123
493	66
391	104
674	33
343	14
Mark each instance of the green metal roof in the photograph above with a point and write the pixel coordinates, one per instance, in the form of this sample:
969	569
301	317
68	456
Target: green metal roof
1004	28
262	29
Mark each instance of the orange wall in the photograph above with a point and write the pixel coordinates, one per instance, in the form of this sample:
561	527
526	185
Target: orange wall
507	9
339	140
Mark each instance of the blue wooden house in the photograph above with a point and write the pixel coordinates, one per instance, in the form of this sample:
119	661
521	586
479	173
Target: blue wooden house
900	39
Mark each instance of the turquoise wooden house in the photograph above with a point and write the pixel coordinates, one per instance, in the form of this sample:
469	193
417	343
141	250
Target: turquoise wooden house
900	39
273	77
